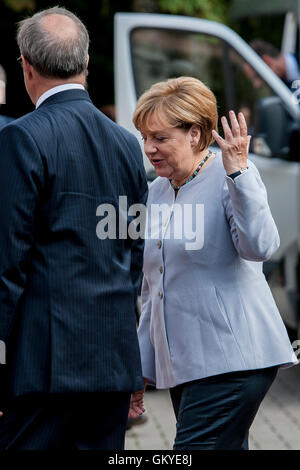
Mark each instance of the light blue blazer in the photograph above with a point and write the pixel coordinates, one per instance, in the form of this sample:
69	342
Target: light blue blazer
206	306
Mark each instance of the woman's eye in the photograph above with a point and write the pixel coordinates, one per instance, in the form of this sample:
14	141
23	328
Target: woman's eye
157	138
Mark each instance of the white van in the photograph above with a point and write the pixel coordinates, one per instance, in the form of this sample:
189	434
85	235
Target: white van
150	48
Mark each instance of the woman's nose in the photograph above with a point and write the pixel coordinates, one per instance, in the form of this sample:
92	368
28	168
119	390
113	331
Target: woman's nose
149	147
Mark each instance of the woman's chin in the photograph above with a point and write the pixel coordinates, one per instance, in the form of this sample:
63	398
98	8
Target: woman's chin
163	172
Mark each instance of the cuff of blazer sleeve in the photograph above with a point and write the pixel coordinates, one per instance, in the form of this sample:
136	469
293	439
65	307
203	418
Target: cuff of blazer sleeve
246	187
234	176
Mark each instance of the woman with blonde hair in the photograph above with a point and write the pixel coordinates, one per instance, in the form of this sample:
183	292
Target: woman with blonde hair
210	330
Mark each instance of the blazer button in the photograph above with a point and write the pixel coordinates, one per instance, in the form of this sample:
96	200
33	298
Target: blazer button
161	294
161	270
159	245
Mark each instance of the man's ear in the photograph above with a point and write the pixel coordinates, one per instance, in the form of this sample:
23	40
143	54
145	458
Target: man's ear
27	67
87	61
268	60
2	92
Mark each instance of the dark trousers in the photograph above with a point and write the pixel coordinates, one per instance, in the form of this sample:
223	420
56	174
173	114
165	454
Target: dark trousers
65	422
216	413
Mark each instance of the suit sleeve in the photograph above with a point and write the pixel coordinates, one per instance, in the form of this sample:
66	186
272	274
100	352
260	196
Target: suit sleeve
146	347
21	180
137	246
253	230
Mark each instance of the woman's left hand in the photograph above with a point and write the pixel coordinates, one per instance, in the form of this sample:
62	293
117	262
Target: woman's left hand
235	145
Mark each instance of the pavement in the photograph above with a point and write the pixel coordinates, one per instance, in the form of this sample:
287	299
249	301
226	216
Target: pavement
276	426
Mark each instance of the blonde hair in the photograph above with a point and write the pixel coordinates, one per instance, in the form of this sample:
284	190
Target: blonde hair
179	102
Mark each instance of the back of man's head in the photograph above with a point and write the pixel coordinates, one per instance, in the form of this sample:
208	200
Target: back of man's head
263	48
55	42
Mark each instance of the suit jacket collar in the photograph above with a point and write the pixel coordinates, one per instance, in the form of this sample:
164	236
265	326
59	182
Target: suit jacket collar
64	96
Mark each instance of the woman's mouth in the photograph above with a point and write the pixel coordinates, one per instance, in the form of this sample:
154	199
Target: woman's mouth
156	161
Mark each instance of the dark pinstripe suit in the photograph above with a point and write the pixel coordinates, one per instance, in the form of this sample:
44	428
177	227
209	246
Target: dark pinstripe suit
4	120
67	298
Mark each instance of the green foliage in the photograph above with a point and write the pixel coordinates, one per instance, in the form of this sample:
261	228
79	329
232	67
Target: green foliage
216	10
20	5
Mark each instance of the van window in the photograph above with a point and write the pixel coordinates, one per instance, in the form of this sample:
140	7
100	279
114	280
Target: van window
159	54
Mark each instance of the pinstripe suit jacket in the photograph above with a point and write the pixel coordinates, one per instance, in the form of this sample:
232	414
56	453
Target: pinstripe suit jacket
4	120
67	298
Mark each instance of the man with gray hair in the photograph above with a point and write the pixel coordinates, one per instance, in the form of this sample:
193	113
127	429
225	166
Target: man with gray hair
67	298
3	119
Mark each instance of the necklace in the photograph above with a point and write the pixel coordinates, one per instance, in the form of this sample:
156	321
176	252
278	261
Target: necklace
194	174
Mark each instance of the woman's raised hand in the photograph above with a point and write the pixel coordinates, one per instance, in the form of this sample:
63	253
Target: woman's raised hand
235	145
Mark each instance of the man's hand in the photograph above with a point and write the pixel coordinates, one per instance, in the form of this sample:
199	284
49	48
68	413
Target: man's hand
136	404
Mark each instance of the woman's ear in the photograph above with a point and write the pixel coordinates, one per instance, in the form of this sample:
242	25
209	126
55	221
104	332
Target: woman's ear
195	135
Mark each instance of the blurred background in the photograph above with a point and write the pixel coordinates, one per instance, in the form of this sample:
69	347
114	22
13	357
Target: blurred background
98	16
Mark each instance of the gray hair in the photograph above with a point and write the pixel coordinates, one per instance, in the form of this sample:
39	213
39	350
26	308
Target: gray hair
51	55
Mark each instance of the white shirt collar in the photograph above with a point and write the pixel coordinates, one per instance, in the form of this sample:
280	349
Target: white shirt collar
57	89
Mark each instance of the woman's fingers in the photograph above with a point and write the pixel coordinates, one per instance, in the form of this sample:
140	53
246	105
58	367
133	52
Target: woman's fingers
243	125
227	131
220	141
235	126
248	142
235	136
